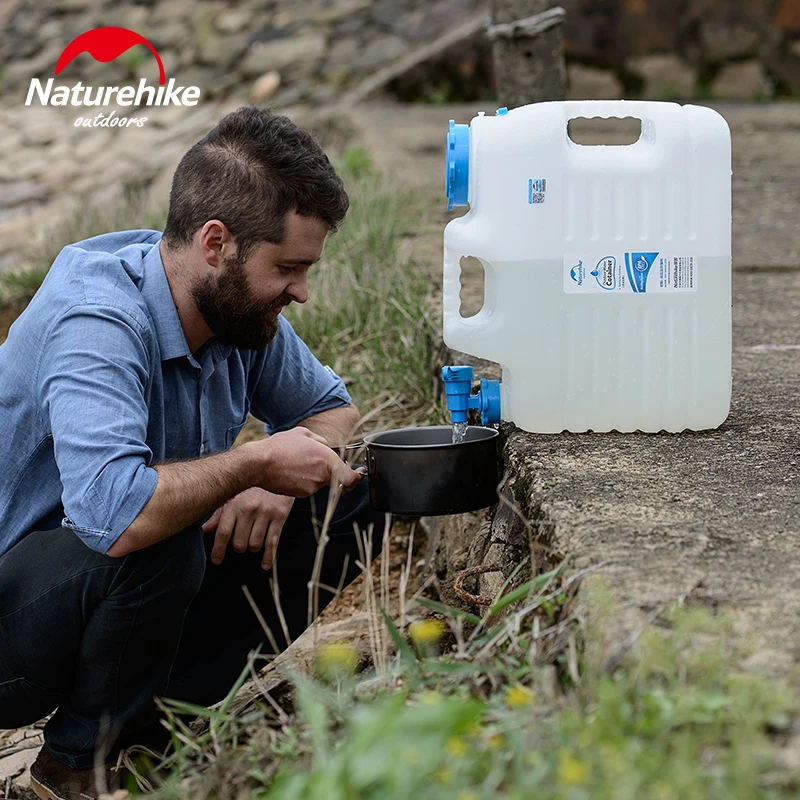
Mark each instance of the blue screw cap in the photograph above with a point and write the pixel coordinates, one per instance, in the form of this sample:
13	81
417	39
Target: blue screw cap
490	402
456	175
501	112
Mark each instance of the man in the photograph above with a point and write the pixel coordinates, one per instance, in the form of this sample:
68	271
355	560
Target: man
127	524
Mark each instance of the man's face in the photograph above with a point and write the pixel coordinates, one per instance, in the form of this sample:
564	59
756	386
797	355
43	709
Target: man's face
242	304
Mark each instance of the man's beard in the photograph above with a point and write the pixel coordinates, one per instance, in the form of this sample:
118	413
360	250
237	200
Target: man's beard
229	308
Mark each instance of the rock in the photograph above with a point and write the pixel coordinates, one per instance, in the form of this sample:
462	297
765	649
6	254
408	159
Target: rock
14	194
786	67
433	19
613	31
787	15
722	40
589	83
265	87
666	77
234	20
745	80
321	11
170	34
289	55
39	66
342	53
221	51
378	52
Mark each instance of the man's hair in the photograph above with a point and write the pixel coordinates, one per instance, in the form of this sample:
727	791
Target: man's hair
249	172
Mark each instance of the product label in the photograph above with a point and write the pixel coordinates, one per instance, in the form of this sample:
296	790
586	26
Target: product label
630	272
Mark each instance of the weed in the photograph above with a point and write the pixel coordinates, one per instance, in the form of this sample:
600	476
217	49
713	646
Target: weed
131	210
368	314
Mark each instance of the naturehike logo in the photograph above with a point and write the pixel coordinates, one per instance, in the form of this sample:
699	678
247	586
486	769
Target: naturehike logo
104	45
576	273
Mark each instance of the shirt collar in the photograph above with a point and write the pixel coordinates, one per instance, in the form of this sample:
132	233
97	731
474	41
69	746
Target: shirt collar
158	296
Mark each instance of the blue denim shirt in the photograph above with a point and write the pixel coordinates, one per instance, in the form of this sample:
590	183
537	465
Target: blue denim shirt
97	384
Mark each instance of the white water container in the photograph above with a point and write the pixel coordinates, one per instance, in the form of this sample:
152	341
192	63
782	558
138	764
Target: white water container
607	268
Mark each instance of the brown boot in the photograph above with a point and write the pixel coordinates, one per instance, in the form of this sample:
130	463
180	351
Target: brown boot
52	780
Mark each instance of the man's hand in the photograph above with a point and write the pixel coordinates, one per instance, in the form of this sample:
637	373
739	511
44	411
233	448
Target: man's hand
249	521
300	463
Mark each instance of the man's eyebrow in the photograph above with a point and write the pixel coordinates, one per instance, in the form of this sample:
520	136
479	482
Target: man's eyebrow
297	262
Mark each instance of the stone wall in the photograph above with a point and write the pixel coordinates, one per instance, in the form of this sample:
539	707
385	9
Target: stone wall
312	50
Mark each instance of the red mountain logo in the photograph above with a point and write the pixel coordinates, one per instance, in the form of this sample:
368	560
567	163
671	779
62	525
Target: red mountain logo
106	44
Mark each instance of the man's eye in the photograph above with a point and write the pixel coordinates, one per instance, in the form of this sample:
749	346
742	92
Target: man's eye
286	269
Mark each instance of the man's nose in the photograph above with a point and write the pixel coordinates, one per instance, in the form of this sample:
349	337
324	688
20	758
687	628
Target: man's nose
298	290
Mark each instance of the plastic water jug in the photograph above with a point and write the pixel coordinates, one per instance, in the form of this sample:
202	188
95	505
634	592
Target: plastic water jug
607	295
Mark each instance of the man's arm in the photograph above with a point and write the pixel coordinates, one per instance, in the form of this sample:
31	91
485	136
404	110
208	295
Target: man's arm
294	463
337	425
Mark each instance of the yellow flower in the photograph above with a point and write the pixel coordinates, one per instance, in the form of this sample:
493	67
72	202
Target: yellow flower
444	775
571	771
336	659
519	696
456	746
430	698
495	741
427	631
474	729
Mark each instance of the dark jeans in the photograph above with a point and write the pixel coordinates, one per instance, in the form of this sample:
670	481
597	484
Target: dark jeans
98	637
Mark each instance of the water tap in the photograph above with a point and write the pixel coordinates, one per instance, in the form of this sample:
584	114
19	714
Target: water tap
458	386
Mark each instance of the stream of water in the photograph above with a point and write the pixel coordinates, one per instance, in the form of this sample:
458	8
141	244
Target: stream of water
459	432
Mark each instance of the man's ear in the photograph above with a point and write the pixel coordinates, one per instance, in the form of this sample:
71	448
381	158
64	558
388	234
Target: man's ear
215	242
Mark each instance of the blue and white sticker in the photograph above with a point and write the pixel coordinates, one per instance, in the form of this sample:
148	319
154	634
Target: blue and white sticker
537	191
641	272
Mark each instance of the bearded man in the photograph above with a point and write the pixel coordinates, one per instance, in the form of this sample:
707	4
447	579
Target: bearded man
128	525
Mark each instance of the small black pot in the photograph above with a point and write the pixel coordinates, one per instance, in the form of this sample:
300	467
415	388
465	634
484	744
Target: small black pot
419	471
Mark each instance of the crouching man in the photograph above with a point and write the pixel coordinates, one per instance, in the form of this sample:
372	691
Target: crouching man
128	525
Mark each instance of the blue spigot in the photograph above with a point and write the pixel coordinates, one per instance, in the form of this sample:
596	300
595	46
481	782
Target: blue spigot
458	386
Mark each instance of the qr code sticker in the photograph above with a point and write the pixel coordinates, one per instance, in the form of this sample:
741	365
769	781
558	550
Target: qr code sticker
536	190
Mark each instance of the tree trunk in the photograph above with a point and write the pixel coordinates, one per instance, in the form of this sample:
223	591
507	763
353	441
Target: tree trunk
528	68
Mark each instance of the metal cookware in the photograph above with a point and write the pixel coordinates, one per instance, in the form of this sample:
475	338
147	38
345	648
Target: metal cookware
419	471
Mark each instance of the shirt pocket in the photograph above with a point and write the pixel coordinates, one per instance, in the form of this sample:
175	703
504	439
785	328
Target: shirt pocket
234	431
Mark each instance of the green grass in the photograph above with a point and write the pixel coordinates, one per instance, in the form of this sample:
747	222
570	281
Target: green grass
131	210
513	709
368	315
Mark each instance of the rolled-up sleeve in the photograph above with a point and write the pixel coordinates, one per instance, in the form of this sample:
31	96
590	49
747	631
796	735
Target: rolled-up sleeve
288	384
93	379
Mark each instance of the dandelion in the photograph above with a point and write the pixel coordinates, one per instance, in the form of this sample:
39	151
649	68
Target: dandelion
444	775
519	696
571	771
430	698
427	631
456	746
474	729
336	660
495	741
